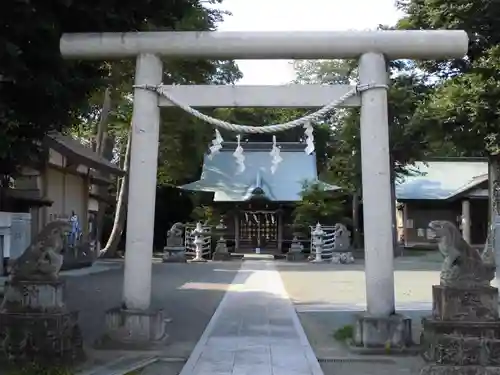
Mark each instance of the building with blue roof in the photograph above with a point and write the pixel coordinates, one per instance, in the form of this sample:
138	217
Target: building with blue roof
453	189
257	202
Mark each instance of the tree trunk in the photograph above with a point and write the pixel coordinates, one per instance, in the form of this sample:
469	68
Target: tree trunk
356	235
493	182
101	139
395	242
102	126
121	205
493	239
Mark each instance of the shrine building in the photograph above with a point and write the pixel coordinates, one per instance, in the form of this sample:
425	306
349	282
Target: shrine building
257	204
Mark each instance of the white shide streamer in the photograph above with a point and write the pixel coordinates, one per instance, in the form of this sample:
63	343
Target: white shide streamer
238	155
309	133
276	157
216	144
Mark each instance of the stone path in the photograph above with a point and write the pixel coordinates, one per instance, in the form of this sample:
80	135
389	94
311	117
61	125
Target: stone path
255	330
358	307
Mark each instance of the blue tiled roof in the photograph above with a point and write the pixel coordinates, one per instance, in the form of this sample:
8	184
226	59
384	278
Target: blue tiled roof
220	174
441	179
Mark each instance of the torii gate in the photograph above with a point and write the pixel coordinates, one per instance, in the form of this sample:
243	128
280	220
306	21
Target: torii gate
373	48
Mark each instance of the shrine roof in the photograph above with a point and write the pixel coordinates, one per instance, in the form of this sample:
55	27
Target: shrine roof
221	177
442	179
73	149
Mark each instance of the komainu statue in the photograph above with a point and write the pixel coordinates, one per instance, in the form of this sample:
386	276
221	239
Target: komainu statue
342	238
43	259
463	265
174	235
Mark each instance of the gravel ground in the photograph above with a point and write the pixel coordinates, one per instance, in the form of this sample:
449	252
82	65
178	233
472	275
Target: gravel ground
313	286
188	293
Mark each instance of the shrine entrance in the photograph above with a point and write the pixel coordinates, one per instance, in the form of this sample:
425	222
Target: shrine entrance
258	230
374	49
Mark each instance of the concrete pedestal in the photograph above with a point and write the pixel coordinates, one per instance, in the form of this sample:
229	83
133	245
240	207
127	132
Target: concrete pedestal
386	333
35	325
458	304
35	296
295	256
463	334
342	257
224	256
134	328
174	255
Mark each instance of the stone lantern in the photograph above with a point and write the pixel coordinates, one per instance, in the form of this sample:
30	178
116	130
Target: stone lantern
317	240
221	251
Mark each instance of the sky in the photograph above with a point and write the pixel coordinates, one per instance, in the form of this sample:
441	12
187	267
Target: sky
299	15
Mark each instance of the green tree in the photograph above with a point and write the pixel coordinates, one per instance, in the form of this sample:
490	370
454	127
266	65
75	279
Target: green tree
108	91
407	90
318	206
39	90
462	108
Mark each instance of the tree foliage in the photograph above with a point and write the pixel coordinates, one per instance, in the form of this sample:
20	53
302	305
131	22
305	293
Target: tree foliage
463	106
40	91
318	206
407	90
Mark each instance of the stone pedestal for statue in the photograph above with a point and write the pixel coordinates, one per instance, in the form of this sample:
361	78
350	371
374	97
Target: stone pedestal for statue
35	325
463	334
175	251
174	254
295	253
342	257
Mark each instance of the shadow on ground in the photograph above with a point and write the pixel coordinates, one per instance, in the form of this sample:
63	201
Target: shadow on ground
328	297
188	293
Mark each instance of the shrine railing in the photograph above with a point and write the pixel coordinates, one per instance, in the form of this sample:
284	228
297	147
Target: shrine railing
189	239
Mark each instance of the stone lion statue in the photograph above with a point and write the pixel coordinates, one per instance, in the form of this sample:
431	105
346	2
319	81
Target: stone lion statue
342	237
174	235
176	229
43	259
463	266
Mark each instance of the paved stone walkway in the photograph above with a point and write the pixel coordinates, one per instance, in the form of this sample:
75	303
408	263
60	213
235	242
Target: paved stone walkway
255	330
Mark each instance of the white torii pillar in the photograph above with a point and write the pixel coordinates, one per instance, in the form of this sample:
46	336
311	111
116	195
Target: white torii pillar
374	48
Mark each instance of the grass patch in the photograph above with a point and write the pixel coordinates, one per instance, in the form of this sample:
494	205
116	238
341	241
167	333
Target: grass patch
135	372
35	369
343	334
